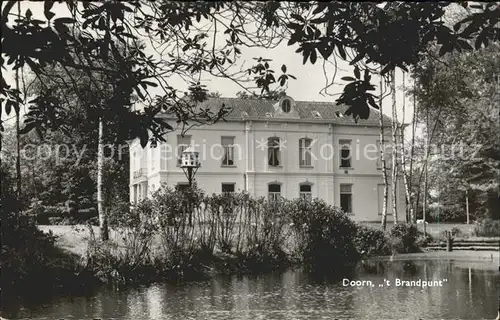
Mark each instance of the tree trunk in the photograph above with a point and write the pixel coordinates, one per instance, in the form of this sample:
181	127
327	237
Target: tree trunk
467	204
18	144
414	205
18	134
426	169
394	150
407	184
103	220
382	159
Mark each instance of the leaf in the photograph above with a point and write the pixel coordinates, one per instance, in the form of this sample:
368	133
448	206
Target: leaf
342	53
357	73
313	56
47	5
143	137
387	68
30	126
149	83
64	20
283	68
464	44
28	14
348	79
357	58
8	106
478	42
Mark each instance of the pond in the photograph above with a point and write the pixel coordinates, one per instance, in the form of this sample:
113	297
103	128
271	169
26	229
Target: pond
467	291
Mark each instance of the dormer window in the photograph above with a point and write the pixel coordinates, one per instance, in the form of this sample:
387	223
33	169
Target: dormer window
286	105
316	114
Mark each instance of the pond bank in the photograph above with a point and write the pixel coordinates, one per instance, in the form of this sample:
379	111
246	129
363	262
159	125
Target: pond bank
483	260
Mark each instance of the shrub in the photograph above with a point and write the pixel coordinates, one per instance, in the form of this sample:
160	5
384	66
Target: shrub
323	234
423	240
487	228
371	241
30	259
126	258
263	233
404	238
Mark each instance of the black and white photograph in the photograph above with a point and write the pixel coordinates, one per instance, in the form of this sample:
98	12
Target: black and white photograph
246	160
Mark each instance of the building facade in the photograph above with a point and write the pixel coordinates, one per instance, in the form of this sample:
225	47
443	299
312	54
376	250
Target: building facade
281	148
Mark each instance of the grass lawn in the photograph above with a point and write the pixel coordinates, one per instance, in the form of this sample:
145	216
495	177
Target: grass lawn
70	238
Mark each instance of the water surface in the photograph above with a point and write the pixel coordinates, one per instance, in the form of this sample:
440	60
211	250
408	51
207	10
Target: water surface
470	291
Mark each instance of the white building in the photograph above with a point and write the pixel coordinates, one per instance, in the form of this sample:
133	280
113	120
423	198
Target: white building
269	148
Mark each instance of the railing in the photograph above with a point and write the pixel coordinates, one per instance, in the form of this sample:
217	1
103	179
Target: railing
139	173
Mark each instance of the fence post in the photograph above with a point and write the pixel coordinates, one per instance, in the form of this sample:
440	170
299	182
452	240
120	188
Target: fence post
449	241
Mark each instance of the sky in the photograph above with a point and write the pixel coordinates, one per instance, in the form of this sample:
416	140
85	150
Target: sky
310	78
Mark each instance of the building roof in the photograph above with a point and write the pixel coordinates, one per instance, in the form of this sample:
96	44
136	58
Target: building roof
307	111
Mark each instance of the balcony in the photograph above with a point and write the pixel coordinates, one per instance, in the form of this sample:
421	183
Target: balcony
138	174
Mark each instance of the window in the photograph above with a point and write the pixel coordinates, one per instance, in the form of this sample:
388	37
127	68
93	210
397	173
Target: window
273	148
274	191
316	114
286	105
227	188
346	197
305	152
345	153
183	143
305	192
227	145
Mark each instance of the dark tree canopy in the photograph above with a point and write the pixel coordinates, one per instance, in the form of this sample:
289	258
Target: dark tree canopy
193	39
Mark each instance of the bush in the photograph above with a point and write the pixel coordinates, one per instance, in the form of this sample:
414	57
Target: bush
404	238
371	241
323	234
30	259
424	240
487	228
128	259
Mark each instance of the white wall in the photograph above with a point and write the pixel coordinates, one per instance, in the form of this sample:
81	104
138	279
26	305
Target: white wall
252	162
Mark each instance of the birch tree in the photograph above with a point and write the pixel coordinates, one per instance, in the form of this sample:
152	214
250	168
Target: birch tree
382	159
394	149
404	171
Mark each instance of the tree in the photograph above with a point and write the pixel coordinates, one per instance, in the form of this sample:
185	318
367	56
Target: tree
382	159
394	149
393	35
460	92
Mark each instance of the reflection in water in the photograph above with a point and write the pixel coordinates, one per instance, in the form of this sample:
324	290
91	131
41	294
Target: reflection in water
468	293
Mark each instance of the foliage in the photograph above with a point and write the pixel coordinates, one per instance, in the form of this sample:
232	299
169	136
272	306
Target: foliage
458	94
92	34
228	233
487	228
61	166
404	238
424	240
29	257
372	242
323	234
128	260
